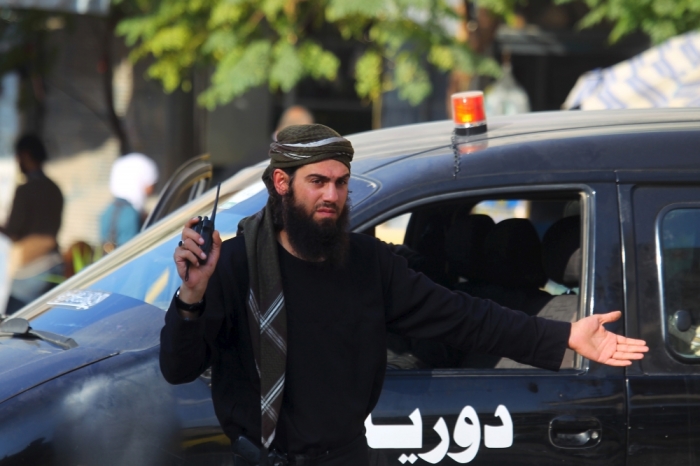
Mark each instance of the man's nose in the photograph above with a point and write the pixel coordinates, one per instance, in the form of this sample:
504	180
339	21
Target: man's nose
330	194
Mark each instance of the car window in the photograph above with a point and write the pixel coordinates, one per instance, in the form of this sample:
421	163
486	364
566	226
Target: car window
680	279
152	277
143	269
393	231
523	253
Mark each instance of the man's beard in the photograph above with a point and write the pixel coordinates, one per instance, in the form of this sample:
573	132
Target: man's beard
326	240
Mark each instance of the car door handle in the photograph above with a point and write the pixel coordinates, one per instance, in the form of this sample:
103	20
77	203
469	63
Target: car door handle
575	432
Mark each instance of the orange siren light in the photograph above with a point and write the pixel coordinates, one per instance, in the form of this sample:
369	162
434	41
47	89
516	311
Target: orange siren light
468	113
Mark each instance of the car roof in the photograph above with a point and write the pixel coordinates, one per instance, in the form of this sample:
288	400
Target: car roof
375	149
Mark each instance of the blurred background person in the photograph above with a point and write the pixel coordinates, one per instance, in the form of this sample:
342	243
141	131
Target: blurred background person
33	225
132	180
294	115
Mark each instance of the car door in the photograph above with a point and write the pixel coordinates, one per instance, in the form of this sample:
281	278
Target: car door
661	228
509	415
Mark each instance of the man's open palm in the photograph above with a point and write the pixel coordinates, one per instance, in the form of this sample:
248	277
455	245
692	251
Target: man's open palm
590	339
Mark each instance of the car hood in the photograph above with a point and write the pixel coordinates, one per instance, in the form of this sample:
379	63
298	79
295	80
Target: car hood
102	324
24	368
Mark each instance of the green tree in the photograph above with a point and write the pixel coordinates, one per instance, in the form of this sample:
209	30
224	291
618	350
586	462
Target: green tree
30	50
659	19
249	43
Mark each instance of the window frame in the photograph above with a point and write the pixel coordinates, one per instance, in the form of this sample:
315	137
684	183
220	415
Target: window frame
586	290
659	274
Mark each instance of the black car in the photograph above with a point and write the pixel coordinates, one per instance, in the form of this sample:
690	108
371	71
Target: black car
557	214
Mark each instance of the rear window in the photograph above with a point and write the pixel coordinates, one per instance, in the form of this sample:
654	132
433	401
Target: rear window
680	276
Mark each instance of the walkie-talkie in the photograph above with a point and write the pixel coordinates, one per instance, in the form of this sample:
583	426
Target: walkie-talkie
205	228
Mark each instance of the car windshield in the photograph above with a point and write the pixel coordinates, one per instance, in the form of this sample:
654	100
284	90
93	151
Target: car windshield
143	270
152	277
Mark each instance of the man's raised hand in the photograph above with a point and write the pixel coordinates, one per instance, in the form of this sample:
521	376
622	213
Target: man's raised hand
590	339
194	275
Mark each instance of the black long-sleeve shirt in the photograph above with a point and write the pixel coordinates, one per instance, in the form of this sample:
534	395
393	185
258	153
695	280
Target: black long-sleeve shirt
36	208
337	320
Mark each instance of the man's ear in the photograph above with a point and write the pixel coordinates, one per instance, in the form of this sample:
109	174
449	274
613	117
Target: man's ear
280	180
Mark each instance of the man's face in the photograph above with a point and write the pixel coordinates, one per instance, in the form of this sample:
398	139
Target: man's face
321	189
313	210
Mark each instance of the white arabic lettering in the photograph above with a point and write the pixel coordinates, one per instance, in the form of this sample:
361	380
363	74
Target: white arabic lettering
396	436
438	453
79	299
467	435
499	436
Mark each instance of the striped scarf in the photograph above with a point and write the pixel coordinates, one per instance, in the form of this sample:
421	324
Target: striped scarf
267	316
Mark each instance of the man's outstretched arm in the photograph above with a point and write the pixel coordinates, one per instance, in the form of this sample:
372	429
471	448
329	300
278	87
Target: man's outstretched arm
421	309
590	339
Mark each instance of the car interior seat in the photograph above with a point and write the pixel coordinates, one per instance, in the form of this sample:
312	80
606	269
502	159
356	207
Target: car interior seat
513	271
513	275
464	254
561	252
431	247
464	247
561	258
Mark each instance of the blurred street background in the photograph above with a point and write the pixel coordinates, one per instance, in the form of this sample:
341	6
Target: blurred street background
173	79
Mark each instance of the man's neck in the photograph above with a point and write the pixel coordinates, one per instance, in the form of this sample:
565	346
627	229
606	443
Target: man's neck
283	239
34	174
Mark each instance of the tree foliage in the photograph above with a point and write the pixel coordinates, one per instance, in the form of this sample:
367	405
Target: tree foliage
27	50
659	19
248	43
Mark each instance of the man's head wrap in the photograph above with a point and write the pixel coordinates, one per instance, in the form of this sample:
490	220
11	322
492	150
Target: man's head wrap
299	145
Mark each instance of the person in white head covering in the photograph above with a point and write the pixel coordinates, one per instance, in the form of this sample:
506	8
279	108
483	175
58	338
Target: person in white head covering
132	180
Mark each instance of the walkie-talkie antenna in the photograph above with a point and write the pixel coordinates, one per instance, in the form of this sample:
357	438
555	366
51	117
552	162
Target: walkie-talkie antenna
216	203
205	227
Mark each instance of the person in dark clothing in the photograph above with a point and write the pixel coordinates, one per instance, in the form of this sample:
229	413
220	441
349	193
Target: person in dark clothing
38	203
33	225
292	316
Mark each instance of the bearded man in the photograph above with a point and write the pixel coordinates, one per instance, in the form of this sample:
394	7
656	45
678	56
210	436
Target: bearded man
292	316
